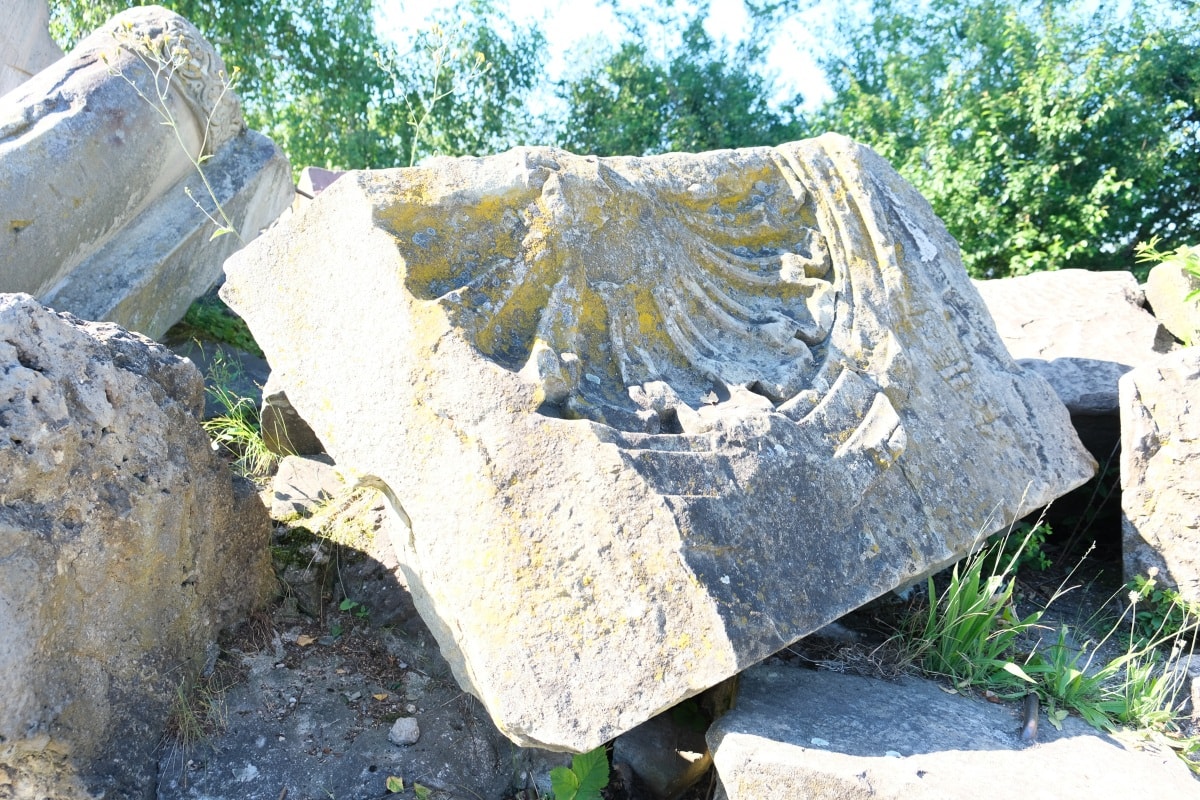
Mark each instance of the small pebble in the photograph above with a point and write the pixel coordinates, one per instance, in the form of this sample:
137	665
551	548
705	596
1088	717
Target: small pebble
404	731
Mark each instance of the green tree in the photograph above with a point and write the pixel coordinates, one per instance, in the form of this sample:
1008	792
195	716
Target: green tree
700	96
1049	136
470	75
316	77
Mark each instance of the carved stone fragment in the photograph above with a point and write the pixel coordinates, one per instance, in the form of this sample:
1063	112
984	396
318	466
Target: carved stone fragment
649	420
103	212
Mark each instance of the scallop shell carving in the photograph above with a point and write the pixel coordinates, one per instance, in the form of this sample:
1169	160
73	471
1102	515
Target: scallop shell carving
635	291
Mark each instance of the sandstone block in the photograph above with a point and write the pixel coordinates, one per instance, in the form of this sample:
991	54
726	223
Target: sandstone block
1078	329
98	220
649	420
824	735
1166	289
125	546
1160	479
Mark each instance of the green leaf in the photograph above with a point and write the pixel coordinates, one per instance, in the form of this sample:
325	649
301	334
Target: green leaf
1056	717
565	783
394	784
592	771
1014	669
347	604
422	792
219	232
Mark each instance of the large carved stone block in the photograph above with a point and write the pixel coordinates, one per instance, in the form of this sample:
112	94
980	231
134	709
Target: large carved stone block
95	210
649	420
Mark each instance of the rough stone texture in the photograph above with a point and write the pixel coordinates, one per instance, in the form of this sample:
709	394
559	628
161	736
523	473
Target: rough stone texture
825	735
283	430
25	44
650	419
302	486
1166	287
125	545
97	220
667	753
1080	330
1160	471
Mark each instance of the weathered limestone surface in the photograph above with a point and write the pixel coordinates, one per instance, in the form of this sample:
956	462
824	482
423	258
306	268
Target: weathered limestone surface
1078	329
125	546
650	419
825	735
96	216
1166	287
25	44
1160	471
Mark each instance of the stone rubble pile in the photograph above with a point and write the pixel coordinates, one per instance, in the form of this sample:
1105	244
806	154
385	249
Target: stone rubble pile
641	423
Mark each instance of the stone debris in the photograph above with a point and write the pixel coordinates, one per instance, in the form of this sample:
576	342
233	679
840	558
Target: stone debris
405	731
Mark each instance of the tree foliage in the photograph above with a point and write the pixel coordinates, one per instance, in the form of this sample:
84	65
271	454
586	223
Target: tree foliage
316	77
699	96
1046	136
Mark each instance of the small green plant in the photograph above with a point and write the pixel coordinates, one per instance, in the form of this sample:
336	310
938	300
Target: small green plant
237	430
354	607
970	629
587	775
1135	688
1023	546
1158	610
1062	677
210	319
442	48
197	711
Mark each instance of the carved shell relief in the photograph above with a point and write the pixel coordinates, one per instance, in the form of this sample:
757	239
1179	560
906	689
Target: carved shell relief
636	292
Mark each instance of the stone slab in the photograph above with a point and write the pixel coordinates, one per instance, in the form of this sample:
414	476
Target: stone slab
824	735
97	216
1079	330
1160	471
649	420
